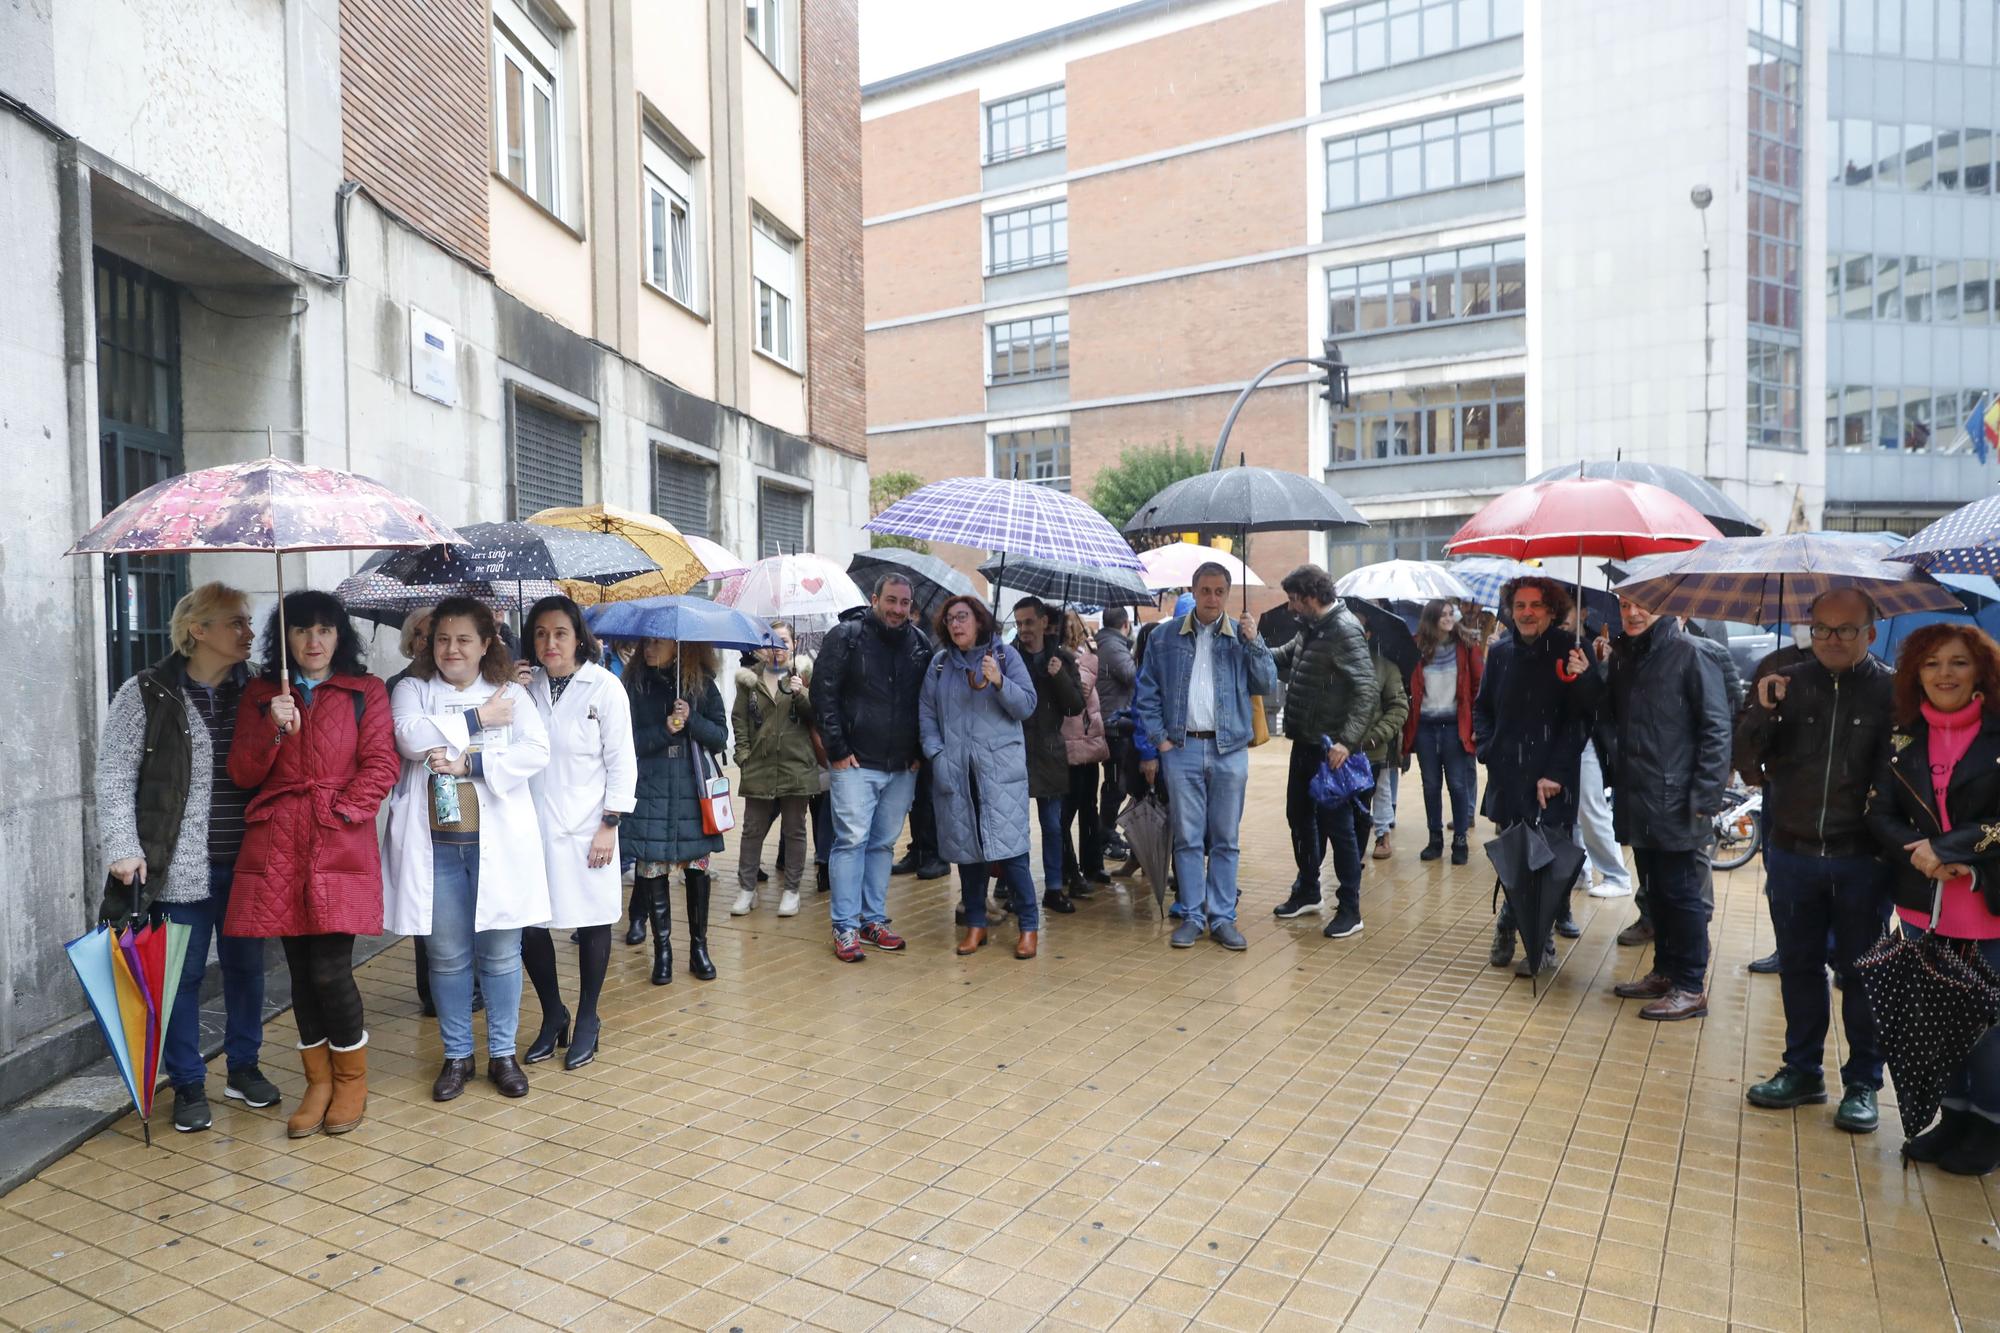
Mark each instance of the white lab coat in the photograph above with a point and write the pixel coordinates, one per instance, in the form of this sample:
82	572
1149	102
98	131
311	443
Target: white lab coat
592	768
513	882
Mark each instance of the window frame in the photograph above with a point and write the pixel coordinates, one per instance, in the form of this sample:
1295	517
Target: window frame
766	488
1023	444
1055	105
1500	412
1055	226
767	233
1344	25
667	454
768	27
668	174
1499	262
1371	161
524	38
1056	340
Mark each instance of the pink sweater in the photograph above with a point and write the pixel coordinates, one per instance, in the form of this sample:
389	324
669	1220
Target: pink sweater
1963	915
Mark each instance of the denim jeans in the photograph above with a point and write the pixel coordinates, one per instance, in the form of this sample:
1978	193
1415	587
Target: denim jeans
1443	762
1015	877
1594	830
1811	895
453	945
869	806
1382	809
1676	885
1205	802
1976	1085
1049	815
1314	829
242	962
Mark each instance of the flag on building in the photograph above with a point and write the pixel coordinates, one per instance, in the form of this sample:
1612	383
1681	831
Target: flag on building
1983	426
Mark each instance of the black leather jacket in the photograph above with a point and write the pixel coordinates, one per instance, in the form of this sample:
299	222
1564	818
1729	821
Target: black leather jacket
864	692
1670	714
1902	809
1816	753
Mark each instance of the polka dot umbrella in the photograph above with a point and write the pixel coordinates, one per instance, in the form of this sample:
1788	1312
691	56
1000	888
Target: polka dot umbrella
1965	541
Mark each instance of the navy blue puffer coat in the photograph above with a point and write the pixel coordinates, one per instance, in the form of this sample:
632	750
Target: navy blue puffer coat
666	823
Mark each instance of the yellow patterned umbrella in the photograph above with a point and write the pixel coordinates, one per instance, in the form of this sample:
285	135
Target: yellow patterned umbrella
680	568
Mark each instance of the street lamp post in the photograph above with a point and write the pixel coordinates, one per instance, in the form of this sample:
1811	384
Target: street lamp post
1333	389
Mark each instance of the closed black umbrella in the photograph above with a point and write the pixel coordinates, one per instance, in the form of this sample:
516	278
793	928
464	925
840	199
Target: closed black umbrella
1237	500
1536	874
1389	632
932	581
1149	832
1730	518
504	552
1091	585
1933	998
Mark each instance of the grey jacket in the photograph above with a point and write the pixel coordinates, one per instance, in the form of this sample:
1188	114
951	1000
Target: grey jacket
978	755
118	754
1117	674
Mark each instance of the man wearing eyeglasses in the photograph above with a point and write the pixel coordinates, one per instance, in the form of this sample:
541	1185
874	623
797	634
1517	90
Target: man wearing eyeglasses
1815	731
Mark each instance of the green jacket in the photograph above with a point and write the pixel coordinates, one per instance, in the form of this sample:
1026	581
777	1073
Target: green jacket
774	736
1391	709
1329	686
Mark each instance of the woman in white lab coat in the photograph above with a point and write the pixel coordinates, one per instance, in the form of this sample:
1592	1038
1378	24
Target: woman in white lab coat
579	798
469	883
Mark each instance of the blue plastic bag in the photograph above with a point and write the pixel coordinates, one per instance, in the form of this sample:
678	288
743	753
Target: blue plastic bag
1351	781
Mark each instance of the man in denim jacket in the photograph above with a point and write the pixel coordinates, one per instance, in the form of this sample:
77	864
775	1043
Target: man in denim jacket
1193	700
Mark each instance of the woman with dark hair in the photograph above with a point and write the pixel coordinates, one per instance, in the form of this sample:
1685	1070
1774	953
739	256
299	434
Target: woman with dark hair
975	696
1059	694
464	843
773	718
1439	729
314	741
1935	809
580	799
1086	747
679	730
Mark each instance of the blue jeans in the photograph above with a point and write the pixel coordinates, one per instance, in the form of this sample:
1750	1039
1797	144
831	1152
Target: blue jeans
1205	801
1048	813
869	806
1020	885
1976	1085
453	944
1443	762
1594	828
242	962
1810	897
1382	808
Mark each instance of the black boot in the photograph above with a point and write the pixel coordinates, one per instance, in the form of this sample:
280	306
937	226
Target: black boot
1503	945
1434	848
635	912
1977	1151
820	882
699	964
661	908
1935	1142
1460	853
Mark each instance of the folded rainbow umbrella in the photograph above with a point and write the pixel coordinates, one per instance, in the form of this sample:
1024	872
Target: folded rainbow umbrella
131	978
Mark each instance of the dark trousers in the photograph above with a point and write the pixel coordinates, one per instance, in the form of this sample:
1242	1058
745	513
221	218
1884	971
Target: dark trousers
1812	897
1111	790
1678	899
923	819
1083	849
242	960
1442	760
1314	829
326	1004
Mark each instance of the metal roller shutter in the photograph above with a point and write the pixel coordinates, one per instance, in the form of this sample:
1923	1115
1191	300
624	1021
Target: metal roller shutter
781	521
548	460
683	492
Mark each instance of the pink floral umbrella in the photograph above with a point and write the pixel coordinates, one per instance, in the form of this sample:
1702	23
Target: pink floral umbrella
266	505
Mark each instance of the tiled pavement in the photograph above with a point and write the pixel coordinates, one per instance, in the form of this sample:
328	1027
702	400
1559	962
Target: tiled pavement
1377	1133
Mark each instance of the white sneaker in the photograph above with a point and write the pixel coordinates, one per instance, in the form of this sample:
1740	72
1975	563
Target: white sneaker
746	902
788	903
1604	888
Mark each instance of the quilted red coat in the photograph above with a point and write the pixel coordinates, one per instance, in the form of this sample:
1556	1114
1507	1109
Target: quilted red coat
310	863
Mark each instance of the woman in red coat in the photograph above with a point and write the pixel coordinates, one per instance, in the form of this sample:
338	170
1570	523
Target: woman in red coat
321	758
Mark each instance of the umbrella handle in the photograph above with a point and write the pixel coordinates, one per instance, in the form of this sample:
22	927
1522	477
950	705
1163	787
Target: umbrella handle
284	653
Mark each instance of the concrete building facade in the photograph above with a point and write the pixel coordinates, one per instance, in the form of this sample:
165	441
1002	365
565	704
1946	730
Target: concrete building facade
498	254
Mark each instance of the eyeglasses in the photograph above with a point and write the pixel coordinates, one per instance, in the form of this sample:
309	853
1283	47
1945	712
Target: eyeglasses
1845	633
960	616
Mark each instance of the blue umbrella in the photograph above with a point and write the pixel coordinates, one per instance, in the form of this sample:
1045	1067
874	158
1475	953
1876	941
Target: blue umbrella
682	619
1484	575
1965	541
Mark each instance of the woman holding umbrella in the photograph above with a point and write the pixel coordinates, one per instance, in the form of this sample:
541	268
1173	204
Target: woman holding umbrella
1935	809
975	697
679	730
1085	744
1059	695
1439	730
774	753
315	742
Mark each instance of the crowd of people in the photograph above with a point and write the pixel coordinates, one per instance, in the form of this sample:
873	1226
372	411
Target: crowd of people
520	787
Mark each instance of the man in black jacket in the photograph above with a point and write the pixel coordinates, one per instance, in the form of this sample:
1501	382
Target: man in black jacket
1670	720
1814	732
864	697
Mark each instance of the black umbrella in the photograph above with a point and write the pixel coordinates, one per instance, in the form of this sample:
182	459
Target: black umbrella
1536	874
1149	832
1933	998
932	581
1236	500
1389	632
1730	518
504	552
1067	581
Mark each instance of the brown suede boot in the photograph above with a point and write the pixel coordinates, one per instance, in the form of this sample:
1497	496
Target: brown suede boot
311	1113
350	1087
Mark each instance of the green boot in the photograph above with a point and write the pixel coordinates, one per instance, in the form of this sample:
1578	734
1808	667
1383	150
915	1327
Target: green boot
1788	1088
1858	1113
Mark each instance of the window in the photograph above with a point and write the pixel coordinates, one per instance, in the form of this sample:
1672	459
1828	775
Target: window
1028	349
784	524
1445	286
1393	539
527	115
547	459
767	26
1028	237
1437	154
669	221
684	492
1040	456
1371	36
1406	424
1031	123
1772	395
774	266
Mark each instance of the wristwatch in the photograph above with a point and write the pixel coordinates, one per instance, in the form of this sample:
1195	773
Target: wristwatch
611	818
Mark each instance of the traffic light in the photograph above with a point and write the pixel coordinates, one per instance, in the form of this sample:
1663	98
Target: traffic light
1334	386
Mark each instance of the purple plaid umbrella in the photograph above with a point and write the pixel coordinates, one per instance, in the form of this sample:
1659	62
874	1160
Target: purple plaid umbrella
1965	541
1773	580
1011	517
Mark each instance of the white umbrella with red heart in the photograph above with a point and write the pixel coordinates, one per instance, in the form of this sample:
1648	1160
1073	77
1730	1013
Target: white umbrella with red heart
792	587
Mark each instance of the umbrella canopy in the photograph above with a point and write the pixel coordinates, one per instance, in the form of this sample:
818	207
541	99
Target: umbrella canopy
1173	566
1933	998
1245	499
792	586
1729	518
1485	575
1773	580
131	979
1149	832
932	581
1579	517
682	619
505	552
376	597
677	566
1067	581
1965	541
1536	873
1388	632
1016	518
717	560
1403	581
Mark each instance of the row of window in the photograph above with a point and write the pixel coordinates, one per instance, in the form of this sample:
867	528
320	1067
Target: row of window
1428	155
1029	237
1378	33
1776	19
1919	419
1912	289
1445	286
1901	156
1030	123
1948	30
1772	394
1474	417
1040	456
1776	109
1028	349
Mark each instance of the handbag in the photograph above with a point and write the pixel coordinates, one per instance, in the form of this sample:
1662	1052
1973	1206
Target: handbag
718	809
1330	787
